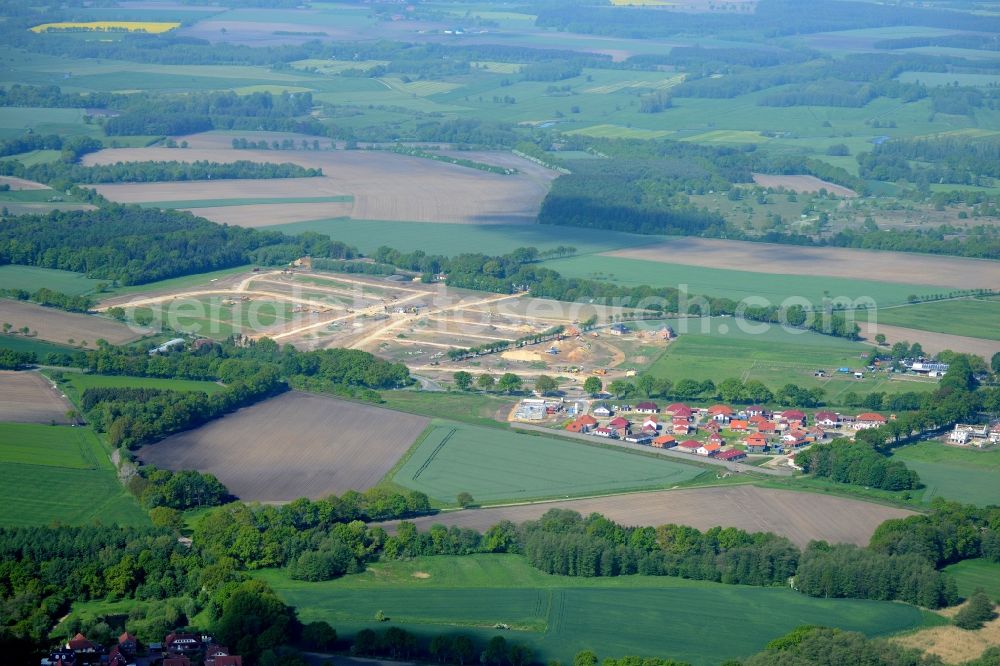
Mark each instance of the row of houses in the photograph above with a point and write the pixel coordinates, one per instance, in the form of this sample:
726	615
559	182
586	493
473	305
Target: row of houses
177	649
979	436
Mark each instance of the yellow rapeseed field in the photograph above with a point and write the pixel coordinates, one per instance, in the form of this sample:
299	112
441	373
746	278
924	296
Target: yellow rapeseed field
109	26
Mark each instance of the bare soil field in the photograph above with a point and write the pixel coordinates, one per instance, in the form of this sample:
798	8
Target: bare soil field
952	644
21	184
385	186
901	267
801	517
58	326
932	342
294	445
266	215
195	190
27	397
802	184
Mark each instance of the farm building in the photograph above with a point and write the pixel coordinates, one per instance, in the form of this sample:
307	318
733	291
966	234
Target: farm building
618	329
638	437
732	455
689	446
974	435
647	408
868	420
176	343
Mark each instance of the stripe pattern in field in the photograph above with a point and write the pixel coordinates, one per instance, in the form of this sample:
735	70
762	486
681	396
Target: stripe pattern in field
295	445
802	517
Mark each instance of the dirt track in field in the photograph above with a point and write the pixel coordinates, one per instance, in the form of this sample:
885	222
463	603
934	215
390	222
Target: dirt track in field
294	445
932	342
385	186
802	184
27	397
801	517
954	272
59	326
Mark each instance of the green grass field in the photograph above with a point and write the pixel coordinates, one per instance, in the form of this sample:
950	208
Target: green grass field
973	575
964	475
975	318
180	282
496	465
213	317
730	283
452	239
39	347
775	357
60	474
559	616
474	408
31	278
74	383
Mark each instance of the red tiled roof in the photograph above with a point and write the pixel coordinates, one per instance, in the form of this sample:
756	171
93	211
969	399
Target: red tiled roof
826	416
587	419
665	439
730	454
689	444
712	446
720	409
618	422
871	417
793	414
646	405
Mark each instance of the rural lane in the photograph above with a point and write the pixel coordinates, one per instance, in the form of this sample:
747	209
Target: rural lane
666	453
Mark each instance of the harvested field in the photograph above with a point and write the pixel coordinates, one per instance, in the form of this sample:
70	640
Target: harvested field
951	644
263	215
294	445
385	186
59	326
802	184
27	397
899	267
801	517
22	184
933	342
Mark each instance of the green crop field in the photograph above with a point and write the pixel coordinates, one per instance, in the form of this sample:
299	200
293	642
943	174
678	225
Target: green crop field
31	278
964	475
39	347
975	318
730	283
973	575
559	616
775	357
452	239
497	465
74	383
59	474
180	282
219	203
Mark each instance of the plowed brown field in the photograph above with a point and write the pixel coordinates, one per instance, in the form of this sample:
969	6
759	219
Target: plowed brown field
801	517
294	445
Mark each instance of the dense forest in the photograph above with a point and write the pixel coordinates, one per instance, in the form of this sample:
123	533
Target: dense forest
132	245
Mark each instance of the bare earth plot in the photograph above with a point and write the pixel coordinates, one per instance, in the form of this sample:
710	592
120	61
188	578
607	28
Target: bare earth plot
801	517
27	397
58	326
932	342
21	184
385	186
953	272
294	445
802	184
